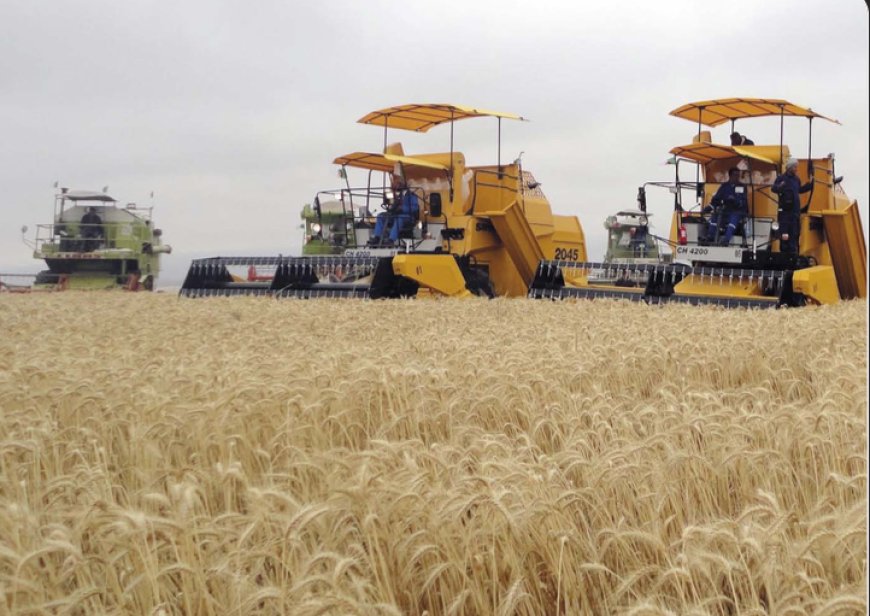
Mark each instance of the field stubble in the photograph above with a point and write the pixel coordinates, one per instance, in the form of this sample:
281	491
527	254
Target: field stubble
443	457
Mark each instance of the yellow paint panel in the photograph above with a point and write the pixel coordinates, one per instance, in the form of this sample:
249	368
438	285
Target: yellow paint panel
719	286
519	240
818	283
848	251
440	273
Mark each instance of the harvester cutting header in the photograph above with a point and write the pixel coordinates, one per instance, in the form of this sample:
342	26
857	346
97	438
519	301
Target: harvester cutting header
746	237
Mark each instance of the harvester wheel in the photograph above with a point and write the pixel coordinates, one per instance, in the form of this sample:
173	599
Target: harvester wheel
477	281
133	283
47	277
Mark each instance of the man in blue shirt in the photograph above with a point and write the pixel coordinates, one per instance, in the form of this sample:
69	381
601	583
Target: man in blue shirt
788	187
402	212
728	207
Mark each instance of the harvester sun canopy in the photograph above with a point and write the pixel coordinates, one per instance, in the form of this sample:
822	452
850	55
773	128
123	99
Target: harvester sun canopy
87	195
384	162
421	117
703	152
719	111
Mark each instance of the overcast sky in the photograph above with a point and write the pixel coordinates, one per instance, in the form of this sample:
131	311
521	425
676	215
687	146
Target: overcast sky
231	112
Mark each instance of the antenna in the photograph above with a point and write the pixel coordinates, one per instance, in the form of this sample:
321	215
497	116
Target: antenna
29	243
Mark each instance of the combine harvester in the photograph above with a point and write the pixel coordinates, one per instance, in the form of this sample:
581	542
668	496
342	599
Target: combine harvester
629	242
479	230
489	230
94	244
830	263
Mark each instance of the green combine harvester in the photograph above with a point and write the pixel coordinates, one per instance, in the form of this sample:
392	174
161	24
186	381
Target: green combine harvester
94	244
330	227
630	242
629	239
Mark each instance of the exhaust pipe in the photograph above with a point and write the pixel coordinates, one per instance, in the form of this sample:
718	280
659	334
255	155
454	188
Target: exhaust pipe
150	249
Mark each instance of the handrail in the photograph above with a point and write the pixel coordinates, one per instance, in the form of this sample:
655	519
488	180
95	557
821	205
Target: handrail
50	234
350	217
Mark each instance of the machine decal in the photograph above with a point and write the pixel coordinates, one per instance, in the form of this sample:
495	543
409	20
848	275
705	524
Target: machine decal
567	254
727	254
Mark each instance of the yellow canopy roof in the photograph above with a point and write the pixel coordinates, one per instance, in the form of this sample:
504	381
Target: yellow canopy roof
412	161
719	111
384	162
421	118
764	153
705	152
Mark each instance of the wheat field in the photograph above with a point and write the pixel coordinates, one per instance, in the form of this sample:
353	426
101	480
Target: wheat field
254	456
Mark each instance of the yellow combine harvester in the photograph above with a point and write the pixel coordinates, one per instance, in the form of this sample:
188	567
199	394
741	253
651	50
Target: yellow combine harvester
489	230
477	230
754	268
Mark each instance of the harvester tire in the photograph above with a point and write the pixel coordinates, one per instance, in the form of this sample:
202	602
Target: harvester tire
47	277
477	281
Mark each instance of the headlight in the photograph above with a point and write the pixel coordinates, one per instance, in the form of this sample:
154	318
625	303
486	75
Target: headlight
774	226
419	224
315	227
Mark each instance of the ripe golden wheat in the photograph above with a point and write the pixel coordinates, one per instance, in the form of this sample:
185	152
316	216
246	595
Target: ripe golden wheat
165	456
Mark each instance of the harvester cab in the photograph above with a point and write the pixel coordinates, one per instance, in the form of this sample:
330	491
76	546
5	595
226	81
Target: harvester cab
94	244
748	264
422	224
400	213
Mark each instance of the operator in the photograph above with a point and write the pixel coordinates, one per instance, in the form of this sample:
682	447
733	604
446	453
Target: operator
638	238
728	206
91	229
738	139
788	187
402	211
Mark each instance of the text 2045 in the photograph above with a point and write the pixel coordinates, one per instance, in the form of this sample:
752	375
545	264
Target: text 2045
567	254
